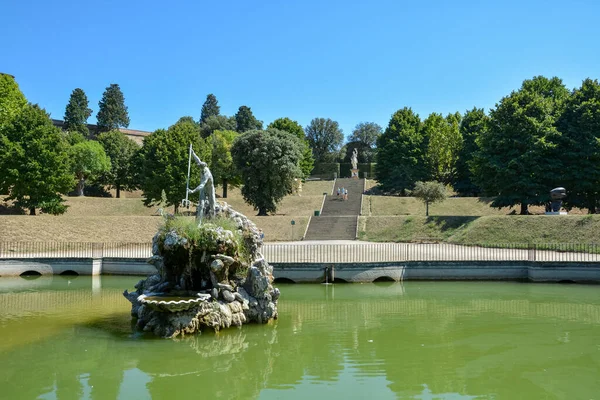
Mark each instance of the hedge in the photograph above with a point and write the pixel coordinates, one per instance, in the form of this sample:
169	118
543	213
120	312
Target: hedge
343	170
346	170
325	170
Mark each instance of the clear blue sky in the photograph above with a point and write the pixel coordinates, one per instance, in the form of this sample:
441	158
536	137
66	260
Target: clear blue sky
351	61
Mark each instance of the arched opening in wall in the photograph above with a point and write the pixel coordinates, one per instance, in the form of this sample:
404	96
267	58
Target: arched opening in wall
340	280
567	281
283	280
30	275
69	273
384	279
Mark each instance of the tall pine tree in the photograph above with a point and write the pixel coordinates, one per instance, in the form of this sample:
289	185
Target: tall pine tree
77	112
210	108
112	111
246	121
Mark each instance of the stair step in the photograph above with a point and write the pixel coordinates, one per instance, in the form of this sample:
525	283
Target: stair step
339	217
334	205
332	228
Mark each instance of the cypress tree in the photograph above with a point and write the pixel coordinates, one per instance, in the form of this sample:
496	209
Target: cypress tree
209	108
112	111
246	121
77	112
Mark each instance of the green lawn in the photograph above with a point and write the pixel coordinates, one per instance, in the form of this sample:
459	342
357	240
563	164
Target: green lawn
485	230
464	220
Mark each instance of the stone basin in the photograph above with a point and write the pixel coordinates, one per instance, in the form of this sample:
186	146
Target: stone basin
172	303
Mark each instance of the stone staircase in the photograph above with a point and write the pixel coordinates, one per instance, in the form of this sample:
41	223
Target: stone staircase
339	218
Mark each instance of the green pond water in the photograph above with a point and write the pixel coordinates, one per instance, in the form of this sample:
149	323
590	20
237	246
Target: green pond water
64	338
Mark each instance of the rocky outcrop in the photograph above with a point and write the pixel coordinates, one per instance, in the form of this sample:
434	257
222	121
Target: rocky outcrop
209	276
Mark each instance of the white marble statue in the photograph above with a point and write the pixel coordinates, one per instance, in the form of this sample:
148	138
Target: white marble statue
354	159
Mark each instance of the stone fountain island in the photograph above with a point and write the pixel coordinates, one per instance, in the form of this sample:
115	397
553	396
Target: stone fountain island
211	274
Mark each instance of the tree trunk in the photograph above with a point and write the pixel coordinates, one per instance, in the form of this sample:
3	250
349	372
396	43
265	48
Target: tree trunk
176	208
524	210
591	206
80	186
224	188
118	187
262	212
31	210
427	209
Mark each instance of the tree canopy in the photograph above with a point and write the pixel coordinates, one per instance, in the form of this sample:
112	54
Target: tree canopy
88	161
517	161
325	138
246	121
12	100
288	125
217	123
401	152
367	133
268	163
34	162
210	108
307	161
122	151
579	142
473	124
429	192
444	143
77	113
112	111
221	165
163	163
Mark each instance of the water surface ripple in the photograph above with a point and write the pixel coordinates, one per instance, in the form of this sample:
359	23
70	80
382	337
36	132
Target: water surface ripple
71	338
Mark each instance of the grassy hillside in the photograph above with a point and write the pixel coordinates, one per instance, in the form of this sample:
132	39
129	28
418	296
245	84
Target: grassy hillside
310	199
127	220
125	229
293	205
392	205
385	218
485	230
453	206
46	228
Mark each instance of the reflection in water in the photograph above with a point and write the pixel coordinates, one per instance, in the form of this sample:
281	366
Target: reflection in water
71	339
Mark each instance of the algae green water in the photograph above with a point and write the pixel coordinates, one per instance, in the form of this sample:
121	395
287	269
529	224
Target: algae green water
71	338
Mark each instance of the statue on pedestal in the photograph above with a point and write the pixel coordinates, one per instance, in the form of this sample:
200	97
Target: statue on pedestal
354	162
354	159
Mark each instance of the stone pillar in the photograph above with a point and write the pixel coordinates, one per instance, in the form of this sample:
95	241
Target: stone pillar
96	266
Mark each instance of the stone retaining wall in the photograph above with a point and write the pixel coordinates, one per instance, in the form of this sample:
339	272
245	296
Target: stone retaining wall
350	272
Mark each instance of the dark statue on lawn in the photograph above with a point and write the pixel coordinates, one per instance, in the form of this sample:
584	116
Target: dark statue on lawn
556	195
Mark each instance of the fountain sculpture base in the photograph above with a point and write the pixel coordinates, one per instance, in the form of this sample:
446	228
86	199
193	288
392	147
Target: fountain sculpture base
209	277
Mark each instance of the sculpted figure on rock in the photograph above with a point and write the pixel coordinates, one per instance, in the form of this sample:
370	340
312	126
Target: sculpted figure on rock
211	273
